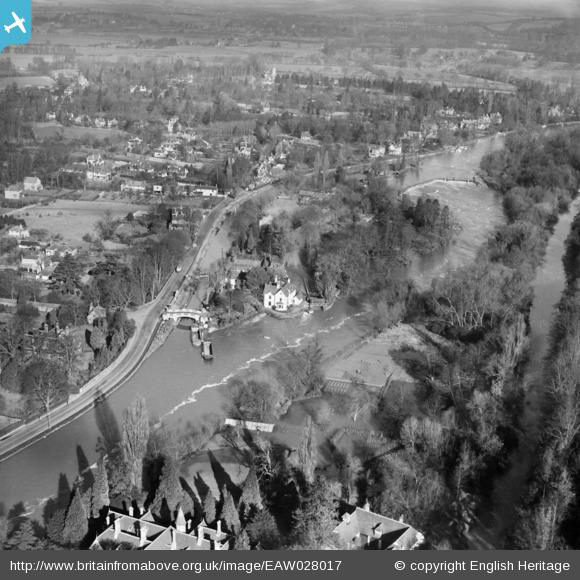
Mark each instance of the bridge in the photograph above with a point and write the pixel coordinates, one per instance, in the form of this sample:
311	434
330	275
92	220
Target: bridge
177	313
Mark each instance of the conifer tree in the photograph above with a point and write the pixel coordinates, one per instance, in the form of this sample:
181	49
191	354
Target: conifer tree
251	498
76	523
209	507
169	493
24	538
229	513
55	526
100	489
242	541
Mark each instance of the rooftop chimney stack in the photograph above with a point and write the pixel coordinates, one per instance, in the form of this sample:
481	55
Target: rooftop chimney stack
117	529
219	527
143	536
173	539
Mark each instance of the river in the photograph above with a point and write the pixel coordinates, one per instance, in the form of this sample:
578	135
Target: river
182	390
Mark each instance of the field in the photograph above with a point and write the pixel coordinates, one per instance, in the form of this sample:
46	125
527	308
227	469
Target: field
49	130
72	219
25	82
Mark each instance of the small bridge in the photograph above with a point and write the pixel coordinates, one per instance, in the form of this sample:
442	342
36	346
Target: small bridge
178	313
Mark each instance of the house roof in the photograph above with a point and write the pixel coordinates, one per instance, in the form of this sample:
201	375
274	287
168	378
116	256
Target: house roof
359	525
159	537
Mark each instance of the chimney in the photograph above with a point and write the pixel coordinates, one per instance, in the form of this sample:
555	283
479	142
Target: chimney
130	510
367	506
109	519
173	539
217	546
188	526
219	527
143	535
117	530
199	534
401	520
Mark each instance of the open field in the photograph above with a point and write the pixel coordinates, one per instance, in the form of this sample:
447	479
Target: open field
73	219
26	82
52	129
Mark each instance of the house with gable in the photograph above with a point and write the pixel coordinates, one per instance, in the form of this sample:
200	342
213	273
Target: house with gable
32	184
361	529
142	531
281	297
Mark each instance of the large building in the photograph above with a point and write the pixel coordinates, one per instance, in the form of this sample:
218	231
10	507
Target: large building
32	184
142	532
361	529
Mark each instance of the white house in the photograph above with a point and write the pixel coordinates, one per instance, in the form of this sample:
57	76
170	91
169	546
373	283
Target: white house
13	192
19	232
32	184
376	151
133	186
281	297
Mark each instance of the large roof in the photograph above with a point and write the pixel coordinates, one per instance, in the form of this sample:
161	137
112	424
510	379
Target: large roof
360	528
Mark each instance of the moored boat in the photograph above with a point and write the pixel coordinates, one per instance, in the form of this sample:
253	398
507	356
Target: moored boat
206	350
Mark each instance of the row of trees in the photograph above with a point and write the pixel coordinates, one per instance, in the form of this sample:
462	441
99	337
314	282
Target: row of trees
548	512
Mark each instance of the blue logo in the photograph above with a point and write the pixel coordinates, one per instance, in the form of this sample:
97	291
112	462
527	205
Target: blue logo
15	22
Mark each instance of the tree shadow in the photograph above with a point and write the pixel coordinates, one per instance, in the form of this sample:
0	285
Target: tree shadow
60	502
107	424
222	477
202	487
85	471
197	508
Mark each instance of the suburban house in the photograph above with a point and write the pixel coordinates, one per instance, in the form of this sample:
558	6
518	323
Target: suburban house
35	264
32	184
376	151
98	169
96	313
239	267
142	532
13	192
361	529
19	232
133	186
178	218
281	297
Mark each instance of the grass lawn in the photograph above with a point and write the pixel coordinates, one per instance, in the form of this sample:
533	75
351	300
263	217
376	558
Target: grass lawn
73	219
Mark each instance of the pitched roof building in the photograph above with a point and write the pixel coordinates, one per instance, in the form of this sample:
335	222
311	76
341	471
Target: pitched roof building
362	529
142	532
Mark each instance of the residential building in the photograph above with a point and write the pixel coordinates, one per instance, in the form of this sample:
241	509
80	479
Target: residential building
96	314
281	297
19	232
13	192
143	532
361	529
98	169
376	151
35	263
133	186
32	184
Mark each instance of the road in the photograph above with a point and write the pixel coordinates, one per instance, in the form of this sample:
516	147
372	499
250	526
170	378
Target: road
147	319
